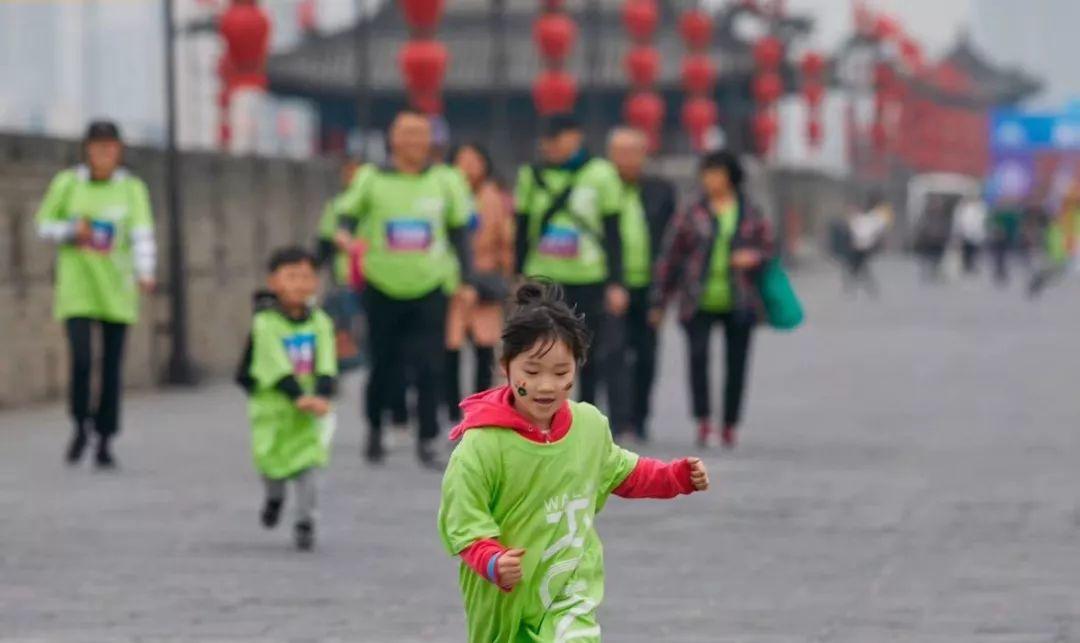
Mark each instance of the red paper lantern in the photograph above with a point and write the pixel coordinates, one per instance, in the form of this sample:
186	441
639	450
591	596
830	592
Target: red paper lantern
813	64
307	16
695	26
641	18
554	92
246	30
698	74
765	129
886	28
769	52
765	124
645	110
699	114
554	34
423	65
814	132
422	15
643	65
768	87
911	53
813	92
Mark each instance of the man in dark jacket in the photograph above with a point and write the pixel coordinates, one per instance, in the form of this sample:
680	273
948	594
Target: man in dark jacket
647	205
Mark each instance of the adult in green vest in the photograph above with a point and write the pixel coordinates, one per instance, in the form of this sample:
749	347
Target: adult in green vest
710	259
98	215
411	217
568	231
648	203
342	301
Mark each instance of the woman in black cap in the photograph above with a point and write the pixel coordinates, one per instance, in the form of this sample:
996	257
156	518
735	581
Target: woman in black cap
99	216
709	261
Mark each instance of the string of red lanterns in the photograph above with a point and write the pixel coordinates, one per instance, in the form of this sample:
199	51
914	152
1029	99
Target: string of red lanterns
768	87
813	71
700	112
554	33
423	59
644	108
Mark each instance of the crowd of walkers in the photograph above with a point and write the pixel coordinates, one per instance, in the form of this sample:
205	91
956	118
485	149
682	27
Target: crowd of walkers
424	254
435	248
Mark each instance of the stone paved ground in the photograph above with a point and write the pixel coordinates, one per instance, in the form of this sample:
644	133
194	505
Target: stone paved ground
910	472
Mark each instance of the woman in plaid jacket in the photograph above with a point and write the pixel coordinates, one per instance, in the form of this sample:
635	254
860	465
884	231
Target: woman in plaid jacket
709	261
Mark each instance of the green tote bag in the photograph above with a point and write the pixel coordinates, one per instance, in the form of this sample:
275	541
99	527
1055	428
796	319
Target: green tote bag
782	307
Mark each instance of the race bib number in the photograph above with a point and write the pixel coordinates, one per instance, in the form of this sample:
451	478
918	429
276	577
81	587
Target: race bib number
563	243
408	235
301	351
102	236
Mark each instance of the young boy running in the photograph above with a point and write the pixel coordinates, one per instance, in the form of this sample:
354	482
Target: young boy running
290	373
523	487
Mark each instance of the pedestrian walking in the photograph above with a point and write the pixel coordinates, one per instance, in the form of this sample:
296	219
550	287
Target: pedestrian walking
491	233
971	220
1005	238
411	216
289	370
568	231
710	258
98	214
932	235
531	472
867	228
648	204
1061	241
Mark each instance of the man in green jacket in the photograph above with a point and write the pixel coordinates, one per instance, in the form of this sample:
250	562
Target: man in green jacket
411	217
568	209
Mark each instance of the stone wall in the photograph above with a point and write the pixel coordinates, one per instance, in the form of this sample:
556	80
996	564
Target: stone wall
235	211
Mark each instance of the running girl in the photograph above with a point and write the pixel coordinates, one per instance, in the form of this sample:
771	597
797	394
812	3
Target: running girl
532	470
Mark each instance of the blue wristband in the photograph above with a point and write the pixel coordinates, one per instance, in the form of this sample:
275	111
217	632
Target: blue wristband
491	567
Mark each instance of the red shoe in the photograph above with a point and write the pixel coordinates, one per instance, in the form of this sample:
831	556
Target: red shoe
703	432
728	437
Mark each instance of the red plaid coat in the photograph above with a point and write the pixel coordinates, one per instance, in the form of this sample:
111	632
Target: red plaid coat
682	266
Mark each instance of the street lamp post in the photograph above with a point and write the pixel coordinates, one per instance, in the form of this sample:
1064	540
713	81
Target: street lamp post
179	369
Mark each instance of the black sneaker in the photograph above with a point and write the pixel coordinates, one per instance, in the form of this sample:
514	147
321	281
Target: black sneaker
77	445
104	458
374	452
305	536
271	512
428	455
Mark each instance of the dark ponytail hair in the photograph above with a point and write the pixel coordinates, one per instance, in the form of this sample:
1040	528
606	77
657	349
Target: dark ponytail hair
540	316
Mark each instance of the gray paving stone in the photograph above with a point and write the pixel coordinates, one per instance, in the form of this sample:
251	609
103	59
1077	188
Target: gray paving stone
908	473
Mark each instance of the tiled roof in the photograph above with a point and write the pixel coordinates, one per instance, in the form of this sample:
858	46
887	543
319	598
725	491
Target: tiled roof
328	64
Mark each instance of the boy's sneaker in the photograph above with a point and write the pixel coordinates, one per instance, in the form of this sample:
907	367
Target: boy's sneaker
271	512
77	445
305	536
104	458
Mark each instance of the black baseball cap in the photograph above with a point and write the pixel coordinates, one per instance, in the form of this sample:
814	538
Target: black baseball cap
559	123
102	131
